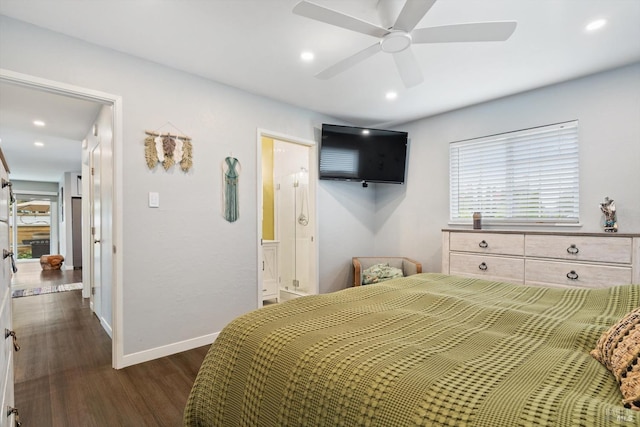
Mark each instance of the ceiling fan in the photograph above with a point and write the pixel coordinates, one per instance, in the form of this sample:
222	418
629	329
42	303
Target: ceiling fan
398	39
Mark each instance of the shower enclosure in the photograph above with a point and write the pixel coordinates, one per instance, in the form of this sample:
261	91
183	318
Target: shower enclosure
295	221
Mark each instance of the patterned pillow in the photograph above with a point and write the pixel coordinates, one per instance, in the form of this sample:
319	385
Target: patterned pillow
618	349
379	273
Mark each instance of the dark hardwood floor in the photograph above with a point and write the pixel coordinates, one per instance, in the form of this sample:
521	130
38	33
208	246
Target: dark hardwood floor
31	275
63	373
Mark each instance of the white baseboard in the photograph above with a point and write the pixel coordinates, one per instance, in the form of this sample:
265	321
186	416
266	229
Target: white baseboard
167	350
106	327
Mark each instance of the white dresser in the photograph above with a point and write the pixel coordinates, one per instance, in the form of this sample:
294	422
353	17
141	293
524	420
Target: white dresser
7	417
591	260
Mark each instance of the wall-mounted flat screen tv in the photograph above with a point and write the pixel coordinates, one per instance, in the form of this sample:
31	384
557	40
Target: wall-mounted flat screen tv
350	153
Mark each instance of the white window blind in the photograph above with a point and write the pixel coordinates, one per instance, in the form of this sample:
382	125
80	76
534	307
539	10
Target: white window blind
528	176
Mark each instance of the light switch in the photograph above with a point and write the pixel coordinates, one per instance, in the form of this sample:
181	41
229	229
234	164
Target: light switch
154	200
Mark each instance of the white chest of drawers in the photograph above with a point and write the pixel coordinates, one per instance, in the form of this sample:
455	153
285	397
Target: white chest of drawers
6	321
591	260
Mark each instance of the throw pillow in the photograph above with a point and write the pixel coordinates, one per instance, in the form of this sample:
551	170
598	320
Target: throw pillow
379	273
618	349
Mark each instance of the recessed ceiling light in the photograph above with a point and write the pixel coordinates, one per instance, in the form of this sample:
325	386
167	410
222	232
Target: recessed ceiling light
307	56
365	131
595	25
391	95
38	144
38	123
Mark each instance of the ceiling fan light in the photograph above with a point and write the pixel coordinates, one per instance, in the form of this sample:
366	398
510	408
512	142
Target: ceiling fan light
398	38
395	41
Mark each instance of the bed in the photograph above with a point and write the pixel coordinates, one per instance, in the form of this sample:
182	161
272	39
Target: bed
424	350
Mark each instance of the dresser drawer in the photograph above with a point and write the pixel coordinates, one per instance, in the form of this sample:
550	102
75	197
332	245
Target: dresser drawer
5	317
488	267
580	248
5	195
487	243
5	269
7	389
550	273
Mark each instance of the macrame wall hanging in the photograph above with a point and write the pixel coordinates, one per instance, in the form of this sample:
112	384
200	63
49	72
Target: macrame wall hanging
231	175
168	149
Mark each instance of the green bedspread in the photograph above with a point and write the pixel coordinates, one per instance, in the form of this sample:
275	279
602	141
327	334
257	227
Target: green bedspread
424	350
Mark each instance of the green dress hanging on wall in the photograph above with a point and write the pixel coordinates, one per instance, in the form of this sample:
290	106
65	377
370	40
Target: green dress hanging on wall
231	209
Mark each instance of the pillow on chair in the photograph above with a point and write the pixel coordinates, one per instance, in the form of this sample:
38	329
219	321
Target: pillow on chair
379	273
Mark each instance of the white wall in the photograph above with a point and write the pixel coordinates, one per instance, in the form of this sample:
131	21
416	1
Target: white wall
187	272
607	105
34	186
347	226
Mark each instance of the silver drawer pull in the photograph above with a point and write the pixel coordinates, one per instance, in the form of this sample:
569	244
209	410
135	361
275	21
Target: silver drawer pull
9	184
6	254
573	249
7	334
483	244
483	266
572	275
14	411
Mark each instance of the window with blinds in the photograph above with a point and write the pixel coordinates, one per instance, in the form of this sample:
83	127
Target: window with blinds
526	176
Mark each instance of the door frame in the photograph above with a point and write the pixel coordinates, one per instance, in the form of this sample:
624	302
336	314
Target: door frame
313	184
75	216
95	263
116	235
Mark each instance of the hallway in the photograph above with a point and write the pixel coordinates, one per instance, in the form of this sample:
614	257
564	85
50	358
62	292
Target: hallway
63	373
31	275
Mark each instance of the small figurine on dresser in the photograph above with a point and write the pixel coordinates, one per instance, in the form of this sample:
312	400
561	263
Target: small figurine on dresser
608	207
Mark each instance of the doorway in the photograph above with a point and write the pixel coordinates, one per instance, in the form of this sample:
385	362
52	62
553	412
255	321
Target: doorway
110	198
287	220
33	227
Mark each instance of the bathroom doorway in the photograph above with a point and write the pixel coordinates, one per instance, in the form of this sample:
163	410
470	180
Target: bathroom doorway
287	221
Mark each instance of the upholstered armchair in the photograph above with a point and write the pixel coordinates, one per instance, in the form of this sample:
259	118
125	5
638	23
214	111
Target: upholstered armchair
407	265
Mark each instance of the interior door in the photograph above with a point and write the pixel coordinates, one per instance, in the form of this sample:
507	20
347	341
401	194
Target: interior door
76	234
96	247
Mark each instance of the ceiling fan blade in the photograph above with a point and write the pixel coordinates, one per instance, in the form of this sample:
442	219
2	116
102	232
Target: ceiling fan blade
474	32
349	62
412	12
408	68
332	17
